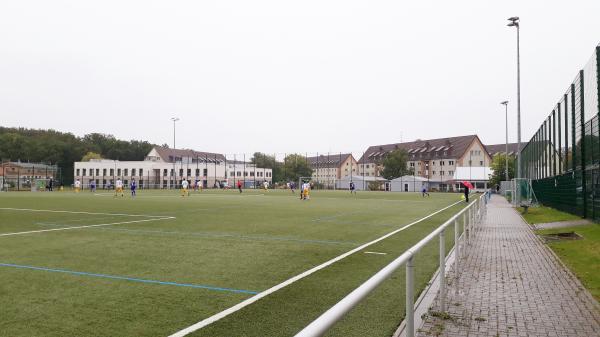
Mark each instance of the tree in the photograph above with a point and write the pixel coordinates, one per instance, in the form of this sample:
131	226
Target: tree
294	167
91	155
499	167
394	164
264	160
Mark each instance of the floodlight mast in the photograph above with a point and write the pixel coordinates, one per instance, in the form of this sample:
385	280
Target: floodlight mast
515	22
505	103
174	119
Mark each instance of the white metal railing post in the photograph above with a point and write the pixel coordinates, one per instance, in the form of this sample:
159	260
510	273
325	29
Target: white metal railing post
465	228
456	252
442	271
410	299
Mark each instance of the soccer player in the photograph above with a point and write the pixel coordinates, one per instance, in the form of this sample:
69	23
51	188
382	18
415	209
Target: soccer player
93	186
133	186
266	185
424	192
77	186
239	185
307	191
119	187
184	188
352	188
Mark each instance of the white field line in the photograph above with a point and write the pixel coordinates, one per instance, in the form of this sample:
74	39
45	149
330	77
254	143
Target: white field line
376	253
287	282
80	212
86	226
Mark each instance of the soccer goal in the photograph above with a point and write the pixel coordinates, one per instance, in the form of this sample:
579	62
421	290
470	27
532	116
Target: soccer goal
522	193
39	185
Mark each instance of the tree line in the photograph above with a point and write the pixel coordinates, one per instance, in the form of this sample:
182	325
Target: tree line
63	149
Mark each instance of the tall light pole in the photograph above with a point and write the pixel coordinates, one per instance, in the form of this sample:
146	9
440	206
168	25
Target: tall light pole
174	119
505	103
514	22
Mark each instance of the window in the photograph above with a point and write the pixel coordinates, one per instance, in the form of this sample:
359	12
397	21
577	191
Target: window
239	173
433	163
451	173
441	173
432	172
103	172
83	172
97	172
75	174
481	163
165	172
118	172
245	173
205	172
251	173
197	172
112	172
441	163
451	162
125	172
133	172
181	172
172	172
367	166
189	172
141	172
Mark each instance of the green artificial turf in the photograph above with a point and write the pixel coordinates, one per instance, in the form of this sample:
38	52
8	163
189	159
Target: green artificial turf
543	214
581	256
245	242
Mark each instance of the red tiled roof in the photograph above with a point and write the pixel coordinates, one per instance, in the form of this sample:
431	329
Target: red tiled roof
453	147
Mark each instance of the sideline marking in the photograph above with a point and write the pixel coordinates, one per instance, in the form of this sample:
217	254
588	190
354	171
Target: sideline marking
125	278
81	212
377	253
289	281
86	226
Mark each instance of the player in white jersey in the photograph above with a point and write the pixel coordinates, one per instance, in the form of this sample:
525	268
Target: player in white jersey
119	187
184	188
77	186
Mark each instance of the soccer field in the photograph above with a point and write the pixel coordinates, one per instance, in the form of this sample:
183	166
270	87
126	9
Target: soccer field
94	265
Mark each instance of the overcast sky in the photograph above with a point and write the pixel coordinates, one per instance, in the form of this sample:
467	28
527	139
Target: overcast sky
282	76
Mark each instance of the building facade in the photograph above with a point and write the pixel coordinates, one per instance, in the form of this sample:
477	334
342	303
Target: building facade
326	169
165	168
433	159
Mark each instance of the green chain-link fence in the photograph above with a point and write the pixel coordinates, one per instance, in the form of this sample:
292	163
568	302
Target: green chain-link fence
562	159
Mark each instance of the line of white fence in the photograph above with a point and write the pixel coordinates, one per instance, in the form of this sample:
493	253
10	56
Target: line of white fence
472	215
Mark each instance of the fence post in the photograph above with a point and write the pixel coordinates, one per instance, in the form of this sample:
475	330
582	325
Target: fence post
410	301
442	271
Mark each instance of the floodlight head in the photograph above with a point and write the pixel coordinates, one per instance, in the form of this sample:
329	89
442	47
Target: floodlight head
504	102
174	119
513	18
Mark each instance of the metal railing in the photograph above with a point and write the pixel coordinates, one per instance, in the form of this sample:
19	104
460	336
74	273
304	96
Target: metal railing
472	215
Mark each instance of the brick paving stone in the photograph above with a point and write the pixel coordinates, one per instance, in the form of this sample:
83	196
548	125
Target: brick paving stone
511	284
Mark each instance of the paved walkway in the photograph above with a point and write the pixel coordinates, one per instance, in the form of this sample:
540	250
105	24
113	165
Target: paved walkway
513	285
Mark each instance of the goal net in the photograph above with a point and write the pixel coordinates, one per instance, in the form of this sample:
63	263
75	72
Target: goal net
522	193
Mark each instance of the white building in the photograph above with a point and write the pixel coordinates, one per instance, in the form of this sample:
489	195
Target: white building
408	184
166	168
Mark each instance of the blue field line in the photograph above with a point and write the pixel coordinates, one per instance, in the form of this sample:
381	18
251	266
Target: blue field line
235	236
133	279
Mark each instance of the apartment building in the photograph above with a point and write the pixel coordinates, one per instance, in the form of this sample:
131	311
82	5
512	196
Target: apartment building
433	159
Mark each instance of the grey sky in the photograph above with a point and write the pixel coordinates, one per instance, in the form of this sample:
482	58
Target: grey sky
282	76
